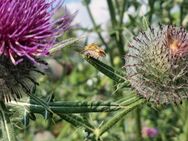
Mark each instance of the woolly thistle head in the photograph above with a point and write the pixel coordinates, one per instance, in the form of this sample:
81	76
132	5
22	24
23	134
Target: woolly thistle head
27	30
156	64
27	33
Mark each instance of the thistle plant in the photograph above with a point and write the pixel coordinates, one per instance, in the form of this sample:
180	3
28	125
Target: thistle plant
155	63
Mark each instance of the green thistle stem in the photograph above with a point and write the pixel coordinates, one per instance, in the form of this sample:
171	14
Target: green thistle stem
122	12
110	123
95	26
138	123
118	33
98	32
112	12
151	4
118	7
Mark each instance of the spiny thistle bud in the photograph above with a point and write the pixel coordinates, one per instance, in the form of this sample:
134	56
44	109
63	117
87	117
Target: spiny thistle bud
157	65
27	33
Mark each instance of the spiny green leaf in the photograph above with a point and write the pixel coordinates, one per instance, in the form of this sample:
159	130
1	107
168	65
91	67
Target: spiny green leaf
79	103
77	121
41	102
69	107
106	70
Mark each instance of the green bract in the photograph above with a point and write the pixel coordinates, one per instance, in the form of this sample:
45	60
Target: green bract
16	80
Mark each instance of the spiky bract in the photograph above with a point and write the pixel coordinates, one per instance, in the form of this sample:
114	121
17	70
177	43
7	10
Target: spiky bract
17	80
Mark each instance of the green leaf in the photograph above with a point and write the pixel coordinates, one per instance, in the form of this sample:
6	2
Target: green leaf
69	107
106	70
77	121
44	104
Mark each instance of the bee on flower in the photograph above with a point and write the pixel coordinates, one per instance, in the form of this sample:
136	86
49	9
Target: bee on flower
93	50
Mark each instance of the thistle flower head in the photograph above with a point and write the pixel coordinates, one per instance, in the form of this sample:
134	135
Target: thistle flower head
156	64
27	30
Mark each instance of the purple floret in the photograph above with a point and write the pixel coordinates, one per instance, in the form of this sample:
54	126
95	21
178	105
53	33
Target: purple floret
27	30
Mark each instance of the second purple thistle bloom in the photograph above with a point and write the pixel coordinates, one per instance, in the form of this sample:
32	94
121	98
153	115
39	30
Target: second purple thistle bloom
27	30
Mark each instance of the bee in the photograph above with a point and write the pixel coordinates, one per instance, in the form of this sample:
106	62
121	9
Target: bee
93	50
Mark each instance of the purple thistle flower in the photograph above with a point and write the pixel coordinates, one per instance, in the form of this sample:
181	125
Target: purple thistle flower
27	30
149	132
